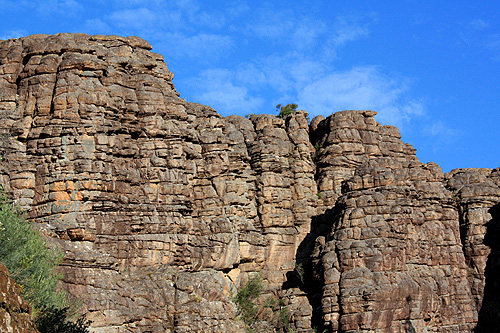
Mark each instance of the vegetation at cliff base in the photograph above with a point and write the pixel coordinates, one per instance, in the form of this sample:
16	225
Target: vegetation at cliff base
252	309
54	320
246	298
32	264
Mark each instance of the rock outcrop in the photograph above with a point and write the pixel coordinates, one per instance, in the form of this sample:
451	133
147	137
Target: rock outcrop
164	208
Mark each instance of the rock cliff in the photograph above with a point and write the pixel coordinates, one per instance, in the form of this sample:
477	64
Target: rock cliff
164	208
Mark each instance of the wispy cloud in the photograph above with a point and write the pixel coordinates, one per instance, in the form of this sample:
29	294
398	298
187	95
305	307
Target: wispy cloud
362	88
350	28
493	44
442	135
137	18
205	47
16	33
96	26
478	24
271	23
221	90
304	72
314	90
479	35
70	8
292	31
181	27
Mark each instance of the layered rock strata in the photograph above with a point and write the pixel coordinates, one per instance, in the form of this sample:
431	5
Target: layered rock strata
393	258
164	208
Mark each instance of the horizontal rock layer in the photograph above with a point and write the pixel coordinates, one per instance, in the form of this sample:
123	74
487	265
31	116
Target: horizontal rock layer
164	208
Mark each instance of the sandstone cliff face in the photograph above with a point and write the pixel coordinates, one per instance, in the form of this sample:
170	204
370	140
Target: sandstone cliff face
164	208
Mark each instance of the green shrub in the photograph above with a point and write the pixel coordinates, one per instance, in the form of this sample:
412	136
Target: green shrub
246	297
54	320
250	310
32	264
29	261
283	319
284	111
281	313
299	268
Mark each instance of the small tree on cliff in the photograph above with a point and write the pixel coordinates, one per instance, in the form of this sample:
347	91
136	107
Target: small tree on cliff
284	111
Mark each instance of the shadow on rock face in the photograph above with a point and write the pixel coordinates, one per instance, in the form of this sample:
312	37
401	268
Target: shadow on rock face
308	273
489	314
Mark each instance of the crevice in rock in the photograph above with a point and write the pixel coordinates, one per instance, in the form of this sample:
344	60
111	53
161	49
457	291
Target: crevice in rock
489	313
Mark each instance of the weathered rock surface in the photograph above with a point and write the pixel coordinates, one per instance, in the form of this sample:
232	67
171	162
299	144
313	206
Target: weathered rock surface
475	191
15	313
133	182
164	208
393	257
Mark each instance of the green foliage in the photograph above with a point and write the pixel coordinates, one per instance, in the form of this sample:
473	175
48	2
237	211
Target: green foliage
250	115
53	320
284	319
314	155
281	313
284	111
250	309
319	195
299	268
30	262
246	297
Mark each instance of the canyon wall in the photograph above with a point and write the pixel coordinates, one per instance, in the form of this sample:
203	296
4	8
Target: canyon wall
164	208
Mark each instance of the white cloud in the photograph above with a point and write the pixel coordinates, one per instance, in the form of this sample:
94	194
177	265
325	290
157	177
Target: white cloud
304	81
442	137
478	24
182	28
350	28
16	33
306	33
221	92
271	29
493	44
172	16
69	8
286	29
97	26
204	47
236	8
439	129
478	35
286	73
134	18
361	88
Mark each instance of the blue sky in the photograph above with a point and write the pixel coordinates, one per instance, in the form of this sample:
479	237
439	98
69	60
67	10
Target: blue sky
432	68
